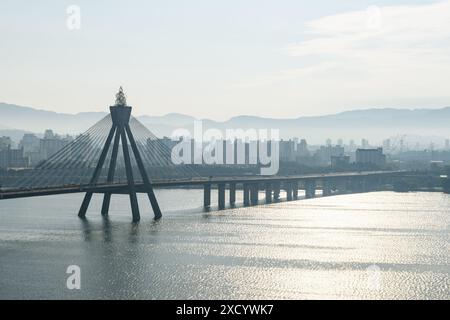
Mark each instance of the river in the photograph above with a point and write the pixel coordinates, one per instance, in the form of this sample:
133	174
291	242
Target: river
380	245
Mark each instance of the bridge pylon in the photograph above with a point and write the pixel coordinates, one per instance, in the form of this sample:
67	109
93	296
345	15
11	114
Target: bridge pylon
121	132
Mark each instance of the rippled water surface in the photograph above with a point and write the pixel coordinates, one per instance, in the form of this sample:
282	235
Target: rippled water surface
377	245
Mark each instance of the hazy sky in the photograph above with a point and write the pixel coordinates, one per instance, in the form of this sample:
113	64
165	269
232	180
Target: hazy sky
218	59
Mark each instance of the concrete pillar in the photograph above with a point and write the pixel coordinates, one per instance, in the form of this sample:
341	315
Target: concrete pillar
268	193
352	185
371	184
232	194
343	185
221	190
295	190
288	188
446	185
364	184
254	192
207	195
376	183
85	205
361	185
246	189
310	189
380	183
276	191
326	188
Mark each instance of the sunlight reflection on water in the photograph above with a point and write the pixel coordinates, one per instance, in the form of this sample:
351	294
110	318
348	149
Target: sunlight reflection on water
378	245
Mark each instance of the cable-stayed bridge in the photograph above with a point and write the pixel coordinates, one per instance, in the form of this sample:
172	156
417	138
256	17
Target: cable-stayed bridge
119	155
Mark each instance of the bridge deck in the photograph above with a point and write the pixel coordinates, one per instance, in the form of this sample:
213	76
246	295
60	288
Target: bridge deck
121	187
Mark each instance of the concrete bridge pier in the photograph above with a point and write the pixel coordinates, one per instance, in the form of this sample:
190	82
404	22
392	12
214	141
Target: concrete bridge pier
375	183
326	188
246	190
344	185
295	190
221	196
368	184
310	189
288	188
355	185
382	183
365	185
207	195
276	191
254	193
232	194
268	193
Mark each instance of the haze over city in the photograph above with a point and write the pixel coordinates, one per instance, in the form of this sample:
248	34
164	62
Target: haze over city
219	60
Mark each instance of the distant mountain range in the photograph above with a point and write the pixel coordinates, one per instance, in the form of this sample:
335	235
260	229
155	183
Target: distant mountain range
373	124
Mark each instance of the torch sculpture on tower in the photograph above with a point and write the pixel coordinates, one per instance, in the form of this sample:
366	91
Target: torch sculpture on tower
120	131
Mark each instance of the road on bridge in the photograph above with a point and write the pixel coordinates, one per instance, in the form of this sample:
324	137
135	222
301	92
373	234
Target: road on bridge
118	187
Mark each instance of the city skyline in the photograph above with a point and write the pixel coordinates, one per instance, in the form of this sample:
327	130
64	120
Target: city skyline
32	150
418	126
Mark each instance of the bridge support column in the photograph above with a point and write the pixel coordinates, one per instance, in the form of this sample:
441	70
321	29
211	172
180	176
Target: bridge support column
295	190
87	198
326	188
446	184
207	195
221	196
288	188
232	194
373	183
378	184
352	185
246	190
85	205
310	189
106	203
276	191
368	184
111	173
344	185
268	193
148	186
365	184
129	172
254	192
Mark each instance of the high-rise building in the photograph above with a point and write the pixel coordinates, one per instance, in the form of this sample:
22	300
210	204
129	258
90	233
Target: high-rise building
365	143
340	162
5	143
29	143
371	156
287	150
48	134
324	154
352	146
12	158
302	149
51	144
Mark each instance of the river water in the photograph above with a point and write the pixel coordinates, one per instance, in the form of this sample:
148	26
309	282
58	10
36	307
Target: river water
380	245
